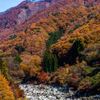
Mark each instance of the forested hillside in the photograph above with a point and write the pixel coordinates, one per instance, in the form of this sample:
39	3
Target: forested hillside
61	48
15	15
25	9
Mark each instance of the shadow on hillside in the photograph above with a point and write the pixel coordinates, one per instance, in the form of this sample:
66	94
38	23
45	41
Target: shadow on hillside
94	72
72	54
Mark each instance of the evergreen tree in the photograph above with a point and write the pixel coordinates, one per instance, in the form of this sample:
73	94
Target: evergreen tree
55	63
50	61
3	68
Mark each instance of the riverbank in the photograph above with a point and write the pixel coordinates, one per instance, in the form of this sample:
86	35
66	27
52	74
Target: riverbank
47	92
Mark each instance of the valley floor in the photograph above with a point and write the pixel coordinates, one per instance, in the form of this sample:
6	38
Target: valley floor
46	92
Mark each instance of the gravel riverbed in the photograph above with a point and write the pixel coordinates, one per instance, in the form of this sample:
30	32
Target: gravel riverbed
45	92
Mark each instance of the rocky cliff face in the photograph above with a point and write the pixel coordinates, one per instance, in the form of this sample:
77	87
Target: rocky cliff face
34	7
16	15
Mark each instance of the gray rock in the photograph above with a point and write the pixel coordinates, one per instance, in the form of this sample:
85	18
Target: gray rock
32	92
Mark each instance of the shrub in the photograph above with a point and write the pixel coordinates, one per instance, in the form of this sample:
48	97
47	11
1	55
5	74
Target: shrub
26	29
0	25
71	41
91	53
67	13
55	14
37	29
12	37
71	31
55	20
48	24
17	92
15	28
89	15
18	59
96	17
19	48
43	77
72	20
77	26
6	23
60	76
41	22
87	6
93	8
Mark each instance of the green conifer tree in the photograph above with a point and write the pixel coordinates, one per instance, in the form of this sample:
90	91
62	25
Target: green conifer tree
3	68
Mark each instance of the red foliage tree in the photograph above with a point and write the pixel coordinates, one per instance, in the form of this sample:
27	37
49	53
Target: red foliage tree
43	77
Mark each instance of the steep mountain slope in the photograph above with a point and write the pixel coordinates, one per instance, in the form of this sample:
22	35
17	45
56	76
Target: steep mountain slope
32	41
78	50
26	11
77	33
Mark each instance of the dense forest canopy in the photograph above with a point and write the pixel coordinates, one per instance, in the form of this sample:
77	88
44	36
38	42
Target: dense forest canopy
61	47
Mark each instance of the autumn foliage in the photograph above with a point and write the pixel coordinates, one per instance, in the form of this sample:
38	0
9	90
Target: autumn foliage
32	66
43	77
5	90
14	16
72	41
17	92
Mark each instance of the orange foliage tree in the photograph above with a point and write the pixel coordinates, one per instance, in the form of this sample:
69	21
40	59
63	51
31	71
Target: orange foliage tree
31	67
17	92
43	77
5	92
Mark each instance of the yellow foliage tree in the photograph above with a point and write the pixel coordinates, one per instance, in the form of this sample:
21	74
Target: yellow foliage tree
33	67
5	92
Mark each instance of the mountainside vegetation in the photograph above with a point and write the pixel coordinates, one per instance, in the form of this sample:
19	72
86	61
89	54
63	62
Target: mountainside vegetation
13	26
62	48
5	92
50	61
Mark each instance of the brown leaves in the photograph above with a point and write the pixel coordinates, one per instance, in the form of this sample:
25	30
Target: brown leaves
43	77
18	93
